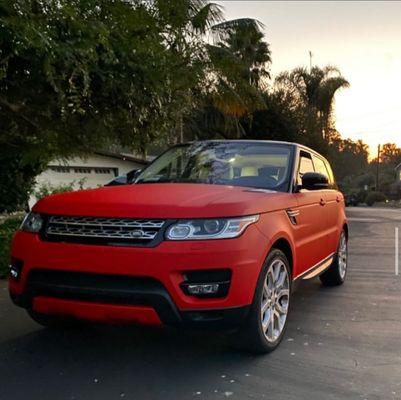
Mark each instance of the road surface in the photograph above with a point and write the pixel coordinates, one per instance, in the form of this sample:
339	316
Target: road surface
341	343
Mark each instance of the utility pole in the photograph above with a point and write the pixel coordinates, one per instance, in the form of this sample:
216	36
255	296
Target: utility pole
377	168
310	61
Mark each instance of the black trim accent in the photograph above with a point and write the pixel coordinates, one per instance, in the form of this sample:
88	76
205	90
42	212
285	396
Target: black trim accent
227	318
100	288
124	290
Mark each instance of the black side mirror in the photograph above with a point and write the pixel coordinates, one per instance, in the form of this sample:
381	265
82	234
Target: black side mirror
118	181
132	175
314	181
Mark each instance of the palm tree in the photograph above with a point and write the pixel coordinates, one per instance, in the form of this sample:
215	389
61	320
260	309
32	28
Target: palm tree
224	62
244	39
239	67
316	91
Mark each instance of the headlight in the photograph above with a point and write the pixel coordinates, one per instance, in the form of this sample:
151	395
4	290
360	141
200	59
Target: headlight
32	222
218	228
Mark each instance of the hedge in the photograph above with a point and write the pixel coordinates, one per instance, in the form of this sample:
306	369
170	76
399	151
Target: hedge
7	230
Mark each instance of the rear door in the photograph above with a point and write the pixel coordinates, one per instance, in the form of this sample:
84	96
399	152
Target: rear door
333	199
311	228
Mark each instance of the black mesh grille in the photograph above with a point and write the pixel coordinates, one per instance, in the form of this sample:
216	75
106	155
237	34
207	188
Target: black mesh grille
100	230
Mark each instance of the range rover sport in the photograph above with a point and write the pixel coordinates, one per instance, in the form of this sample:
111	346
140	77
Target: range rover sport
211	233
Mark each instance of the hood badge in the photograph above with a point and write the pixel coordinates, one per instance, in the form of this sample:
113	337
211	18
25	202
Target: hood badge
137	234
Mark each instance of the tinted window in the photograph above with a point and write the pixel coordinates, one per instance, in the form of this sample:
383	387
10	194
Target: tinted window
305	165
320	167
331	175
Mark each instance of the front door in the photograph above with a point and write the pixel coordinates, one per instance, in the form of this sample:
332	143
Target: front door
311	229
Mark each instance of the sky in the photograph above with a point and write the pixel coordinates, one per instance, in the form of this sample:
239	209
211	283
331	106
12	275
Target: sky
361	38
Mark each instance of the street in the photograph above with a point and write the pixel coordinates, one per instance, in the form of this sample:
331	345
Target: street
341	343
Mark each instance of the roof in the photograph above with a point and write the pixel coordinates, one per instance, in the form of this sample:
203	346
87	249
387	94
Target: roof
123	156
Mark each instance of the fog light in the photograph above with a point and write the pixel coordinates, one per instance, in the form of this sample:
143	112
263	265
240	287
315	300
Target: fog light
211	288
15	268
14	273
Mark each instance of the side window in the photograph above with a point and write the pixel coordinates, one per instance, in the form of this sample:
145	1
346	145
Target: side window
305	165
332	181
320	166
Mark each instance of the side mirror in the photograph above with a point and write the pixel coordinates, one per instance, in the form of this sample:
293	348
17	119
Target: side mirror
314	181
120	180
132	175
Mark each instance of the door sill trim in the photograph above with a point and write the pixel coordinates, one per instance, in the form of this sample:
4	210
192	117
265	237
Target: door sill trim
317	269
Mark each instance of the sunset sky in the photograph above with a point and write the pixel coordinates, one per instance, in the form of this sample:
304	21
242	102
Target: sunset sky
363	39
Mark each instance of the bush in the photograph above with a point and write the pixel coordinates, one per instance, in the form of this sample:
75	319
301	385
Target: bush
7	230
48	189
375	197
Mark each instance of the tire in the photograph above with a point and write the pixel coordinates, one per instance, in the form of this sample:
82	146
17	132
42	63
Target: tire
254	336
337	271
53	322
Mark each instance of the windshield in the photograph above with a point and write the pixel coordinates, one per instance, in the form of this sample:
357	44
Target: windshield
258	165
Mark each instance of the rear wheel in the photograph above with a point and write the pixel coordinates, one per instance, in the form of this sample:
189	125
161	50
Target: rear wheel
267	320
337	272
53	322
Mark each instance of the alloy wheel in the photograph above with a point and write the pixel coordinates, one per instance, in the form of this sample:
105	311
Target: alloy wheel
275	300
342	256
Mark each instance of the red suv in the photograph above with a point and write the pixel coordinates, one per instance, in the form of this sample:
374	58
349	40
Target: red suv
212	233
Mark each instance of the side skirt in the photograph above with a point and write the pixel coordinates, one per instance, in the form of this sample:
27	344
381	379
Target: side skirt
317	269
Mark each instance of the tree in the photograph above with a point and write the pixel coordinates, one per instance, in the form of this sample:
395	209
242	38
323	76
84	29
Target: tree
239	62
316	90
74	75
243	38
183	24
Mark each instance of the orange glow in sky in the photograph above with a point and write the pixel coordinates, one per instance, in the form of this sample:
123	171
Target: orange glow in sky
363	39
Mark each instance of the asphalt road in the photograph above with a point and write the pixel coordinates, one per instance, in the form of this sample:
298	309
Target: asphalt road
342	343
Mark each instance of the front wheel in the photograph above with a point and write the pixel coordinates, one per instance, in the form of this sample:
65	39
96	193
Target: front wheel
337	272
267	320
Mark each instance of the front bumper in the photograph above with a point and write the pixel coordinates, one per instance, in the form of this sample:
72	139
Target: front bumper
164	266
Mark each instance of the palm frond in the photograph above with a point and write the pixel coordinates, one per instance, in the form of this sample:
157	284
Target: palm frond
222	30
205	17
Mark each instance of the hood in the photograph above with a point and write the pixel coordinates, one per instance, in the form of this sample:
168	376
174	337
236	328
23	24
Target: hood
167	200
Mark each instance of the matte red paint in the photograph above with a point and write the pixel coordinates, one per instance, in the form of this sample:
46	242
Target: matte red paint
162	200
97	312
312	239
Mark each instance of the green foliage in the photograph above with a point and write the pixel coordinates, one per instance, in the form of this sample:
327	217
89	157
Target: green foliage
77	75
375	197
16	177
48	189
7	230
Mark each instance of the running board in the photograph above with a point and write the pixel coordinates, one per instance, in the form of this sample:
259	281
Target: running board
317	269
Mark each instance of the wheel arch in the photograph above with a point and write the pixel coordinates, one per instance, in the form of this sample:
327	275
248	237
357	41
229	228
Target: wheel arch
284	245
345	228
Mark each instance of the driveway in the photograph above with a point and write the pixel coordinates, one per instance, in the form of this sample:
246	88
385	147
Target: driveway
341	343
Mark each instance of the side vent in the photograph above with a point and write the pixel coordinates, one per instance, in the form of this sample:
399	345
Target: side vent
292	215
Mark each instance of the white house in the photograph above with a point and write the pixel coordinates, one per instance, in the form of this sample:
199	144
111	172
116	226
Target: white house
92	171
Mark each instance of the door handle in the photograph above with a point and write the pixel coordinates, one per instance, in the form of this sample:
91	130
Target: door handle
322	202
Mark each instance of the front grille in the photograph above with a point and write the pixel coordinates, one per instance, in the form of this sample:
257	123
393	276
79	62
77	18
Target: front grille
103	230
